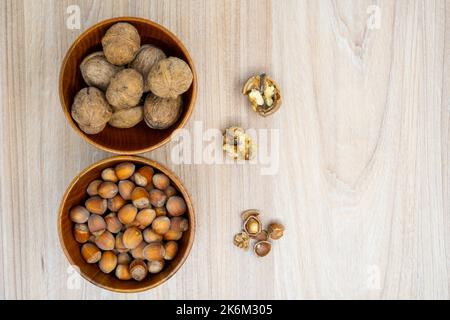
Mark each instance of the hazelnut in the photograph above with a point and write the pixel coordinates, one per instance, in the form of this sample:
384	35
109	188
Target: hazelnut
90	253
79	214
155	266
161	181
179	224
169	78
125	90
97	71
161	113
161	211
107	190
127	118
110	175
241	240
154	251
171	249
81	233
124	170
132	237
92	188
173	235
151	236
262	248
138	269
263	94
126	187
252	226
262	236
96	205
108	262
121	43
127	214
170	191
146	57
123	258
145	217
140	198
275	230
115	203
143	176
176	206
119	245
157	198
105	241
96	224
113	223
90	109
123	272
238	145
161	225
137	252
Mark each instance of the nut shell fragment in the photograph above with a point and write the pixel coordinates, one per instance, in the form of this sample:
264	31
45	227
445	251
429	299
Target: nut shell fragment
264	103
262	248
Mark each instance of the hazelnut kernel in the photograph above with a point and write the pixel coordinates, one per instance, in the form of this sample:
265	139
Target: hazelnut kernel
145	217
96	205
171	249
109	175
105	241
107	190
155	266
127	214
124	170
90	253
92	188
115	203
252	226
179	224
108	262
176	206
151	236
123	258
96	225
113	223
79	214
126	187
173	235
161	181
123	272
161	225
140	198
276	231
138	270
157	198
154	251
81	233
143	176
132	237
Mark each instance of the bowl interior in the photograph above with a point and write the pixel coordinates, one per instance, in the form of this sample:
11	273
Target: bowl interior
140	138
76	194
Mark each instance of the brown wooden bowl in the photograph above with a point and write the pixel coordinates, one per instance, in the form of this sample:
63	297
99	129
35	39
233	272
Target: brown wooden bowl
76	194
140	138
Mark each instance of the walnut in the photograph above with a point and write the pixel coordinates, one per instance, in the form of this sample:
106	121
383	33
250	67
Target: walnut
160	113
169	78
146	57
91	110
238	145
121	43
97	71
127	118
264	96
125	89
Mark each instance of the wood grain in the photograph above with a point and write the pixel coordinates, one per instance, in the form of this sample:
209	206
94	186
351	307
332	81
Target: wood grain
363	184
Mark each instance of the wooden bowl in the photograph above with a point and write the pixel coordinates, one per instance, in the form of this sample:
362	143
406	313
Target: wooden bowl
140	138
76	194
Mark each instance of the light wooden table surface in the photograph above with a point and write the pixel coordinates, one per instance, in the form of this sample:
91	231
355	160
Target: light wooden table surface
363	184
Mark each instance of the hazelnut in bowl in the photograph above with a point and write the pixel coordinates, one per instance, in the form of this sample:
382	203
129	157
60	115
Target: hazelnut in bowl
126	84
127	223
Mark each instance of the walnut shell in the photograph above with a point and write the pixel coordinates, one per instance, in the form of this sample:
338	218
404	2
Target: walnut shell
170	78
97	71
121	43
253	86
125	89
160	113
145	59
91	110
127	118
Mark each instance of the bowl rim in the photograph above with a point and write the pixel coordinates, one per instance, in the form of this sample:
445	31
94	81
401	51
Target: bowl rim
174	178
183	121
